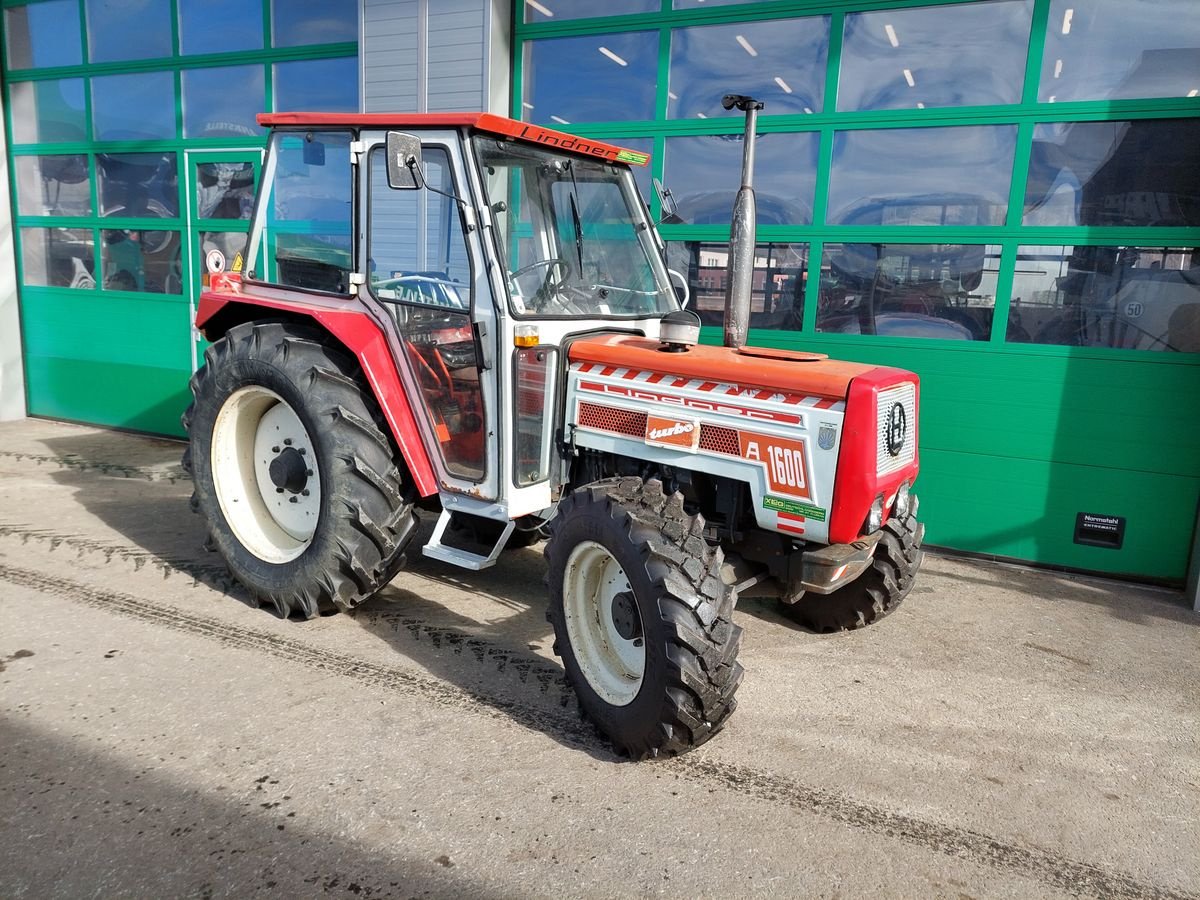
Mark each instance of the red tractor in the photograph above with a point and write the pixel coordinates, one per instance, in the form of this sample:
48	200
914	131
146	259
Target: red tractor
472	316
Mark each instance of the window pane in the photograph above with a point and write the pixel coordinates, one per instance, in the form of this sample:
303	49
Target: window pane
223	102
942	291
1120	49
48	111
138	185
560	10
703	174
128	29
141	261
781	62
328	85
704	4
628	73
204	25
1114	173
296	22
922	176
53	185
224	190
228	243
1135	298
967	55
58	257
137	107
306	237
43	34
777	291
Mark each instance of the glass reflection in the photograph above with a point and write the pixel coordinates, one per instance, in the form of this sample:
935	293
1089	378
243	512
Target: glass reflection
1142	172
1133	298
204	26
703	174
138	185
297	22
135	107
641	174
330	85
53	185
222	102
48	111
1121	49
128	29
228	243
781	62
224	190
922	176
777	289
561	10
141	261
42	35
704	4
963	55
58	257
941	291
626	65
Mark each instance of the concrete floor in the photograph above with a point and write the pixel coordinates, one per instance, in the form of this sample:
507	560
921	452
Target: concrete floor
1007	733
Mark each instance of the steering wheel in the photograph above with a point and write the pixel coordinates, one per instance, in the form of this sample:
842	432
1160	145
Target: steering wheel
544	292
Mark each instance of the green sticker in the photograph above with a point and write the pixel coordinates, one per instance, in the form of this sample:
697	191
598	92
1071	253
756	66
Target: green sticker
633	157
779	504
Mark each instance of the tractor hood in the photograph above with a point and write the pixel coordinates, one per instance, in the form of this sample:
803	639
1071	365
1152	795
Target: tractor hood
786	371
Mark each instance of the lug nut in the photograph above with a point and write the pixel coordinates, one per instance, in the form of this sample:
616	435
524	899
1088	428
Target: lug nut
287	441
275	449
304	493
279	490
293	499
302	451
308	472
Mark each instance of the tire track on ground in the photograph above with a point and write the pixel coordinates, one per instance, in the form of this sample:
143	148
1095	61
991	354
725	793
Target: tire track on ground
1050	868
170	474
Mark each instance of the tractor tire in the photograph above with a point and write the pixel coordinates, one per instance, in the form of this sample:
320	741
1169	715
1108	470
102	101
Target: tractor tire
875	593
294	471
641	618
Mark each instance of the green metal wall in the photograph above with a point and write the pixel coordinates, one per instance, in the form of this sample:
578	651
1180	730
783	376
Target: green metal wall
1017	438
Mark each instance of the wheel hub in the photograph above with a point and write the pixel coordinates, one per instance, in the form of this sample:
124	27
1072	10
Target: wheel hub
625	616
289	470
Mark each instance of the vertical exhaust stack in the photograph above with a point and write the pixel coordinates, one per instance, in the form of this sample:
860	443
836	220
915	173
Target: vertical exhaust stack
740	274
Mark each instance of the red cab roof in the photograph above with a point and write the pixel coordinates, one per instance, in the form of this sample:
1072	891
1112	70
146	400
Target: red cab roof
521	131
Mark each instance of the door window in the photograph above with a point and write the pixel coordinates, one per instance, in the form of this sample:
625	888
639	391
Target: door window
419	266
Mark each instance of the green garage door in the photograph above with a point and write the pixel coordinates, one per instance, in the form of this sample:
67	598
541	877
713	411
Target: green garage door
133	145
1002	196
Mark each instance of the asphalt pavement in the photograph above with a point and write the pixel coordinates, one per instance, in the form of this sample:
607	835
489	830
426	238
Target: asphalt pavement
1006	733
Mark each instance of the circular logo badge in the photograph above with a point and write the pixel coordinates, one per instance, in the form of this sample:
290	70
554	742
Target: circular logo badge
897	428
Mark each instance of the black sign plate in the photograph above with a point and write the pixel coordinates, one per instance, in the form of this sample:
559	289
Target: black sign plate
1099	530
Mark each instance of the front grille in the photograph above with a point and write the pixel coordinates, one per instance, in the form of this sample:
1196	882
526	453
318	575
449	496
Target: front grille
897	430
718	439
608	418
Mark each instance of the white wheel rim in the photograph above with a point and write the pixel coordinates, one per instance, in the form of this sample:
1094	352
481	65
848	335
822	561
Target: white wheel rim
614	666
254	428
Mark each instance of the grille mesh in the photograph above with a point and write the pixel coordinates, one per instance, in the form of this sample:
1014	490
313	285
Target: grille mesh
906	395
607	418
716	439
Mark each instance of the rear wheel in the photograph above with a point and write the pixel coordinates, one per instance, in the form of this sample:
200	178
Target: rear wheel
875	593
293	471
641	618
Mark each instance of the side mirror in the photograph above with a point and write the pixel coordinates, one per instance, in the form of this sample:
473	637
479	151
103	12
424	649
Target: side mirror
403	161
682	291
666	203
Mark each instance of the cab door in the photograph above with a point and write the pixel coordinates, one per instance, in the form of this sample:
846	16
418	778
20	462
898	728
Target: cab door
421	260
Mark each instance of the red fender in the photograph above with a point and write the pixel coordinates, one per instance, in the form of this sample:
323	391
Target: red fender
362	337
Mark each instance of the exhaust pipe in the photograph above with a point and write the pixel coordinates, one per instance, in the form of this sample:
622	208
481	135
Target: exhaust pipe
740	273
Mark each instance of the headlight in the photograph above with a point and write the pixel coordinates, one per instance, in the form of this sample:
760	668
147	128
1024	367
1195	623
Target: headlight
902	500
875	516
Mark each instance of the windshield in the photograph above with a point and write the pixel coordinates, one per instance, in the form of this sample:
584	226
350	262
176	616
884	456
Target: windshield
573	234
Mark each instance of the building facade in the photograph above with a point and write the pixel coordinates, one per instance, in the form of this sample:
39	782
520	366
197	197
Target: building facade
1001	195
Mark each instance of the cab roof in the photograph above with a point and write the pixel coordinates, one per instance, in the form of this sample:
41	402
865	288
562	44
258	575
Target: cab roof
501	125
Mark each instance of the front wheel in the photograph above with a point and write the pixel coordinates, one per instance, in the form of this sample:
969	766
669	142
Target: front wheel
875	593
293	471
641	618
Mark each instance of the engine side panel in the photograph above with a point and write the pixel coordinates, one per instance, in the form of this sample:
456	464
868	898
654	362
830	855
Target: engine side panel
783	444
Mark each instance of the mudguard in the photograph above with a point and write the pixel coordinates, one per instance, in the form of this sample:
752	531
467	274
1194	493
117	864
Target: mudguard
360	335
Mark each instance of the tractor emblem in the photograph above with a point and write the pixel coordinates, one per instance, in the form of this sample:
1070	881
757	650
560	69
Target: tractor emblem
897	429
826	436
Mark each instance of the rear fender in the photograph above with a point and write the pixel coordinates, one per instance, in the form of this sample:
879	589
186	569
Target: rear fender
360	335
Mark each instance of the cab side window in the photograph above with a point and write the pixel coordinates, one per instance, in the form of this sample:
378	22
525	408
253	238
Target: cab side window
308	221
